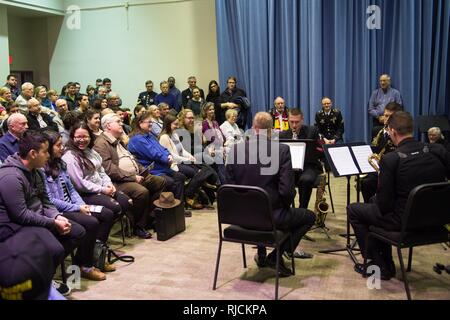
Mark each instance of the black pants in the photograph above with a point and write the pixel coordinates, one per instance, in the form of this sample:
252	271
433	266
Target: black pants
85	252
175	184
298	222
197	175
305	183
369	186
112	208
361	217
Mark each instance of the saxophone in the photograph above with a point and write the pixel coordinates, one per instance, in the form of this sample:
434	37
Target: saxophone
321	206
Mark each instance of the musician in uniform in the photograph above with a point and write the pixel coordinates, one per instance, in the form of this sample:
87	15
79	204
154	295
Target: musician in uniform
381	145
330	123
147	98
412	164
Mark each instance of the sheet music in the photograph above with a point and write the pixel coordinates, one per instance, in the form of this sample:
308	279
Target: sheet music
343	161
362	154
298	150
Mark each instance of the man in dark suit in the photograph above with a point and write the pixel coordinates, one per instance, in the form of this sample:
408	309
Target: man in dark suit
38	120
411	164
312	168
276	177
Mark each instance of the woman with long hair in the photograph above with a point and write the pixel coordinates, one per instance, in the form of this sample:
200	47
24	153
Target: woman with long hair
93	121
84	166
214	97
67	200
185	161
214	139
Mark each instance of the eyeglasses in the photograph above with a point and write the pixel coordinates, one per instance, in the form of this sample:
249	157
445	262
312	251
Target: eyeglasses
82	138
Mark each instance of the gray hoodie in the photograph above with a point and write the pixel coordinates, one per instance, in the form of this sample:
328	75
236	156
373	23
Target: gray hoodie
23	197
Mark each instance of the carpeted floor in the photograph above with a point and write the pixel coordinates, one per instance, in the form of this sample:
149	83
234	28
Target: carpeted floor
182	268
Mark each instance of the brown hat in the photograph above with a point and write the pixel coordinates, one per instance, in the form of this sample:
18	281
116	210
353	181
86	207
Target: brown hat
166	200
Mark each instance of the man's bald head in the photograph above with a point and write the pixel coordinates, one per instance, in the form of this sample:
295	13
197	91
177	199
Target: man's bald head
279	104
385	81
262	121
61	105
17	124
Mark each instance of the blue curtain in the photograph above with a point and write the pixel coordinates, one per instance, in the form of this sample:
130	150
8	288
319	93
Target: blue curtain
304	50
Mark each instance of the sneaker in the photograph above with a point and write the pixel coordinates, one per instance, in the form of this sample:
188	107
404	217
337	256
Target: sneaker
61	287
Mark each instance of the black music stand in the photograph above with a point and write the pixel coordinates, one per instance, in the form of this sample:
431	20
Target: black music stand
357	155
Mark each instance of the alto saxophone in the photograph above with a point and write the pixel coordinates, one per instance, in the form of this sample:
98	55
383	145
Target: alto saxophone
321	206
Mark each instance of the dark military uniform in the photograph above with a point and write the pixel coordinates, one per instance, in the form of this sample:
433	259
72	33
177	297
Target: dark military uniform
411	164
147	98
381	144
331	125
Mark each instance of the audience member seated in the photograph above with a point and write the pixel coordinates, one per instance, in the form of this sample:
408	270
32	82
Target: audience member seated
279	115
147	98
84	166
114	101
38	120
138	110
11	108
163	110
214	139
9	143
67	201
195	144
5	96
435	136
100	104
330	123
312	167
230	130
82	102
25	95
40	93
196	102
11	84
157	123
93	121
52	96
185	162
24	204
70	119
127	174
165	96
147	150
69	95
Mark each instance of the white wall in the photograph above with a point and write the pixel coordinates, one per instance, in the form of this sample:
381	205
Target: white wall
4	46
28	46
48	6
155	41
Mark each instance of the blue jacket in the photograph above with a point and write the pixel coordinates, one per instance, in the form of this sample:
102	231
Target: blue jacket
9	145
147	149
171	100
56	192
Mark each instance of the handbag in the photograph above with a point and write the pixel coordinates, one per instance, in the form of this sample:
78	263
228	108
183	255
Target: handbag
100	255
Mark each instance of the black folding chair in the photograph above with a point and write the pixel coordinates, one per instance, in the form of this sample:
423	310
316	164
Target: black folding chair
248	212
426	213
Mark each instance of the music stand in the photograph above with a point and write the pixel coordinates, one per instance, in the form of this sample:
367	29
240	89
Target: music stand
347	160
